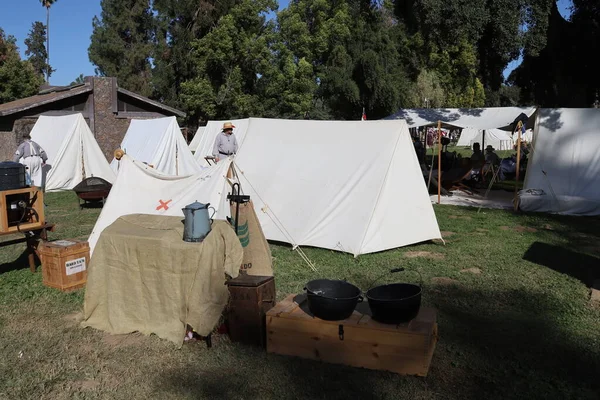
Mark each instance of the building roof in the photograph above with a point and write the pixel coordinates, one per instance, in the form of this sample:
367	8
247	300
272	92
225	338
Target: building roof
44	97
50	94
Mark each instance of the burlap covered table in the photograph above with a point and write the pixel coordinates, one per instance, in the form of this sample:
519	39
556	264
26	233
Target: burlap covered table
144	277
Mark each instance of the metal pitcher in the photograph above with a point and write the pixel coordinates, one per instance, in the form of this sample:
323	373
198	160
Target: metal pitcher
197	224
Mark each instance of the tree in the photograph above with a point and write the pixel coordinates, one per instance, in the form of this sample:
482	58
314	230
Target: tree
122	43
229	63
18	78
178	24
79	80
47	4
36	50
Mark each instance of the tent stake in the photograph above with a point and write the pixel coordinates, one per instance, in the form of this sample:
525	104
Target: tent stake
439	161
515	203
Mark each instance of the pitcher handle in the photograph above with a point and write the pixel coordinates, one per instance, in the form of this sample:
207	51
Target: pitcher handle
214	212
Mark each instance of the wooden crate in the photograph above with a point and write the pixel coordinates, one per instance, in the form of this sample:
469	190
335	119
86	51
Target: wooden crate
26	194
250	299
64	263
358	341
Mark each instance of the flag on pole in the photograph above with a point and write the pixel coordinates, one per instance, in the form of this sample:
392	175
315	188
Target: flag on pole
364	116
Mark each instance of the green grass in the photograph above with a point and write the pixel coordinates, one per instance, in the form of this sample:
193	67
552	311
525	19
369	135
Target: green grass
522	328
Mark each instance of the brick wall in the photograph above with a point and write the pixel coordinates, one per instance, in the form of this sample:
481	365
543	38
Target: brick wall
108	129
10	140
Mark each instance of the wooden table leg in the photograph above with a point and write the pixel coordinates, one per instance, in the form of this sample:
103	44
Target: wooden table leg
31	254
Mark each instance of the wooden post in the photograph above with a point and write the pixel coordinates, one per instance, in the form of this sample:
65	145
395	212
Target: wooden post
439	162
515	203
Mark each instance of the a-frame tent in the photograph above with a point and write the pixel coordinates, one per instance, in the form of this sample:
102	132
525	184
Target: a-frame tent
73	153
159	143
563	173
352	186
204	146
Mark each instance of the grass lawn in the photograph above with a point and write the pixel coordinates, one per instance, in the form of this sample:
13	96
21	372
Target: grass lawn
512	291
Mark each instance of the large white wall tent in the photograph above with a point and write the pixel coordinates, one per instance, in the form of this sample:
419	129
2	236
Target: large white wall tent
204	146
73	153
478	118
563	174
351	186
159	142
497	138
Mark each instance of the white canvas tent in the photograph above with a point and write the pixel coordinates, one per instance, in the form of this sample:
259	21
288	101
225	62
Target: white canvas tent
466	137
563	174
197	136
140	189
497	138
366	195
204	146
478	118
73	153
159	142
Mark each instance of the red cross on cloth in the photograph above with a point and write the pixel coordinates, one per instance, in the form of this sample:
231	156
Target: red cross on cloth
163	204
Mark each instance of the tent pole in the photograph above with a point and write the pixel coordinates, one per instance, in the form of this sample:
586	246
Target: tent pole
515	203
439	161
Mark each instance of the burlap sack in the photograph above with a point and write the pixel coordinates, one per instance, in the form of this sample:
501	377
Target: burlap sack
257	254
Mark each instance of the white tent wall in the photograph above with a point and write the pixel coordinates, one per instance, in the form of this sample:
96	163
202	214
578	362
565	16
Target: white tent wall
73	153
352	186
197	137
498	139
205	144
565	163
140	189
159	142
466	136
479	118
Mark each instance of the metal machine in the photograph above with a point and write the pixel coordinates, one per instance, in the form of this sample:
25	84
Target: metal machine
21	206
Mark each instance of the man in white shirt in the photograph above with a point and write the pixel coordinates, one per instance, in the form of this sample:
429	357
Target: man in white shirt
225	144
33	157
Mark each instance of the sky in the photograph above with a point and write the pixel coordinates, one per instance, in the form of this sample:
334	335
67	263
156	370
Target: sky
71	28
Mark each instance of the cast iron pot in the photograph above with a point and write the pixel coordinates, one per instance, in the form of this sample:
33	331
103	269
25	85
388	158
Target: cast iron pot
394	303
332	300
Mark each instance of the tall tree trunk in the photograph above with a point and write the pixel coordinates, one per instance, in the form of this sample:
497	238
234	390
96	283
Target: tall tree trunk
48	45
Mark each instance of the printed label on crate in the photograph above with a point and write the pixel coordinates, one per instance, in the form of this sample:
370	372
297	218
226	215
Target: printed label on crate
74	266
64	243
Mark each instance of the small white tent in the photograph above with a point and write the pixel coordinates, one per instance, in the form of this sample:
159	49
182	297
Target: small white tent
313	183
204	146
197	137
73	153
159	142
466	137
140	189
563	174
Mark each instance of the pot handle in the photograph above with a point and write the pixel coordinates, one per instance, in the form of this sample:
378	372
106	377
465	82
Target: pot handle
360	299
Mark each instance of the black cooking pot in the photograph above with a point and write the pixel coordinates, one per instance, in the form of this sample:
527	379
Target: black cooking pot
394	303
332	300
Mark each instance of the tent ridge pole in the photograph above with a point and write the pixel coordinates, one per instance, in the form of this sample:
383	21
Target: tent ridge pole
439	161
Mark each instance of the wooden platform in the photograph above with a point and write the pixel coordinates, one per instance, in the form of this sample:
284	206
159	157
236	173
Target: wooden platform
358	341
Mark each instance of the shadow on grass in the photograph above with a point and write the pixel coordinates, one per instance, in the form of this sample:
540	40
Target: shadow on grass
580	266
493	345
20	263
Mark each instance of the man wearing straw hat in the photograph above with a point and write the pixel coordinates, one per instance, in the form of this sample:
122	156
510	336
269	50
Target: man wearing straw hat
33	157
225	144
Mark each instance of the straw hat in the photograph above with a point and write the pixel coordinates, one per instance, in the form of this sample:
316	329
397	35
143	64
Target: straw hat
489	148
228	125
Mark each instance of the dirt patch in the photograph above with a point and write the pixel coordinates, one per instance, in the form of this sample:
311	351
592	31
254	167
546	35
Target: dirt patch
459	217
443	281
505	228
424	254
476	271
88	384
75	317
481	230
447	234
114	341
522	229
548	227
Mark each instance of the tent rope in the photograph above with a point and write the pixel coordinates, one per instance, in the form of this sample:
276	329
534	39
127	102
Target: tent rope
276	221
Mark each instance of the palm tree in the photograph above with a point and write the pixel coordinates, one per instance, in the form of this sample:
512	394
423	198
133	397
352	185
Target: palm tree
47	4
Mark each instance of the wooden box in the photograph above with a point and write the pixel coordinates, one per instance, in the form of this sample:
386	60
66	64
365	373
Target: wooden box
250	299
358	341
9	216
64	263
